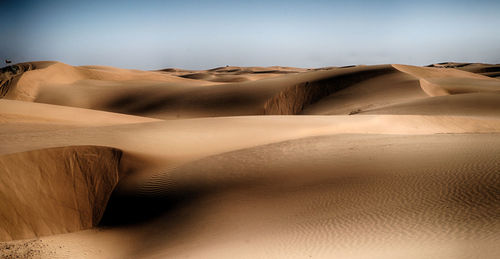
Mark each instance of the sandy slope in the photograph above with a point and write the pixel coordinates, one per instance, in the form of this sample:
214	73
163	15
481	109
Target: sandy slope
54	191
405	164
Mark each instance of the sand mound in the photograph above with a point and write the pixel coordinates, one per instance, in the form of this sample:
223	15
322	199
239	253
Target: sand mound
445	81
52	191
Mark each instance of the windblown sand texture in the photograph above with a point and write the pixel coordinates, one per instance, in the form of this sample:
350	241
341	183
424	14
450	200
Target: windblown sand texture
385	161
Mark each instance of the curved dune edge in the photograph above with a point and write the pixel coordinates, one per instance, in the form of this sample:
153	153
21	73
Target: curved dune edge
293	99
433	89
445	81
56	190
381	90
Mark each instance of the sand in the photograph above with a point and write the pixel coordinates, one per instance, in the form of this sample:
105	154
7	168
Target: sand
385	161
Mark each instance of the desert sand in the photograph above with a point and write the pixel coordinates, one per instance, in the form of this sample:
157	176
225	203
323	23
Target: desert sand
379	161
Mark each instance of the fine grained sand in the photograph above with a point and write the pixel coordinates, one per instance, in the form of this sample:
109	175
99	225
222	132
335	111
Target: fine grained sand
387	161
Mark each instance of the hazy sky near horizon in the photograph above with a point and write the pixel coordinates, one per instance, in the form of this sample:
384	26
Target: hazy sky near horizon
199	34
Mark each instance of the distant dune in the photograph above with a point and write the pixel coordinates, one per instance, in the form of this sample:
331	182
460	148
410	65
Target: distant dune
383	161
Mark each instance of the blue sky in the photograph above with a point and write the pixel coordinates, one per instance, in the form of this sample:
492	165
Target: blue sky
205	34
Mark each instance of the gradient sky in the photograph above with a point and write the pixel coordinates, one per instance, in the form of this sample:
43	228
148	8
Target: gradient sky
205	34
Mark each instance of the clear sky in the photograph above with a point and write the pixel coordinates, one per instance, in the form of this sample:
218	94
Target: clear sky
199	34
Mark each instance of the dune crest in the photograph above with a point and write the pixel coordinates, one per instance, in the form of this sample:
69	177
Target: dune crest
60	76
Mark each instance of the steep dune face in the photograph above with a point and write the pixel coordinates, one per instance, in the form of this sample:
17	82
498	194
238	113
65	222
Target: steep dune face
293	99
386	89
52	191
10	74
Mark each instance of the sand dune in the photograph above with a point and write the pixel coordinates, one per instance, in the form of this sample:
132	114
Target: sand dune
382	90
437	82
385	161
